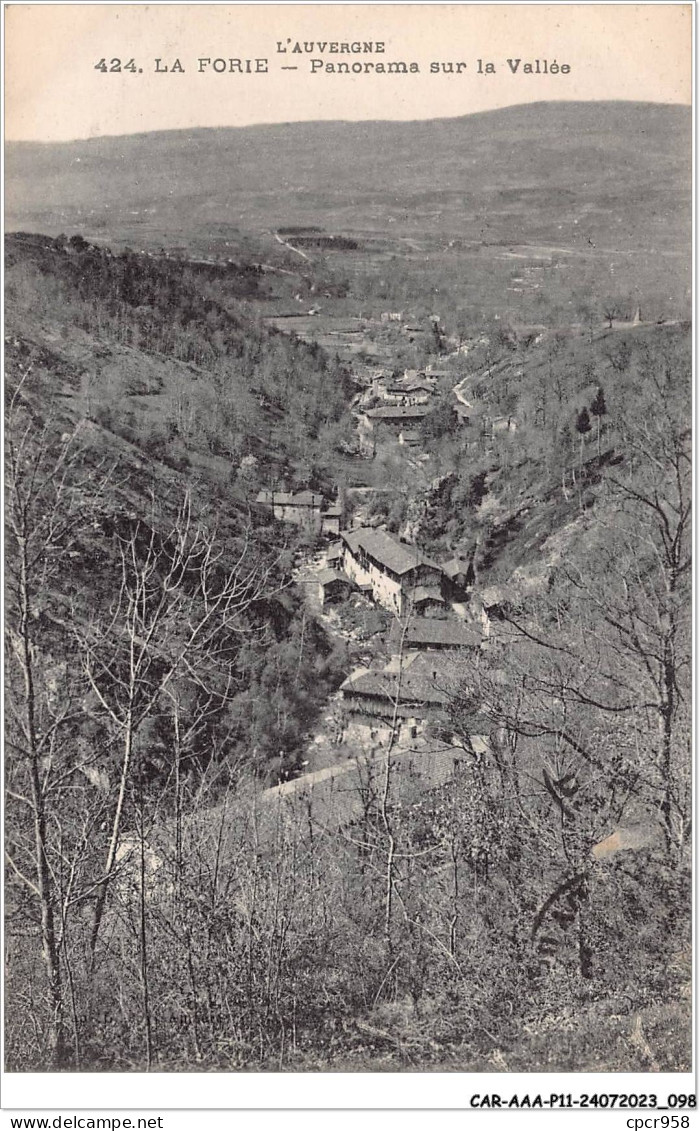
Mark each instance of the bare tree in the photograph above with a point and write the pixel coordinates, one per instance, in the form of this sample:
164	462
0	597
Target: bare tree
592	681
180	604
46	483
611	311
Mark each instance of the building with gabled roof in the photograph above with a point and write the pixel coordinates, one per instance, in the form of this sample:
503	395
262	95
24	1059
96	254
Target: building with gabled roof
290	499
410	391
411	691
397	556
418	681
333	586
303	508
427	597
423	634
397	414
395	570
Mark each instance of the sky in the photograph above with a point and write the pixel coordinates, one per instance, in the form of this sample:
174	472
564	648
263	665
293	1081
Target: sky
53	91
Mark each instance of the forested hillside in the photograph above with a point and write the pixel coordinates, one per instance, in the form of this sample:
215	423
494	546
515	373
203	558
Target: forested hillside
168	355
156	648
552	421
532	913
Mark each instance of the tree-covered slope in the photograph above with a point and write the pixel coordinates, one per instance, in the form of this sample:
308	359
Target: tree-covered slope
125	372
530	913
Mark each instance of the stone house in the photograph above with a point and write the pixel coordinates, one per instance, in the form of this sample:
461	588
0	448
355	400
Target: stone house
332	586
303	508
395	418
410	694
393	570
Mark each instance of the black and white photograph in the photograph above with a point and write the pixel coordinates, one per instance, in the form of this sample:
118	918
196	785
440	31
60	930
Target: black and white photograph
347	551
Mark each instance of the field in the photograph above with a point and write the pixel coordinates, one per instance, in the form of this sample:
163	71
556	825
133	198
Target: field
516	212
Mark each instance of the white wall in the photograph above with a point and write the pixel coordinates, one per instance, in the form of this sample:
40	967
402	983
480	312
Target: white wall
386	591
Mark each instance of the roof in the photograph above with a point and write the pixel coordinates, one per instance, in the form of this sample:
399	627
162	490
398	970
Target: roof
334	511
326	576
399	412
403	387
334	550
449	633
290	499
454	567
425	678
306	499
426	593
397	556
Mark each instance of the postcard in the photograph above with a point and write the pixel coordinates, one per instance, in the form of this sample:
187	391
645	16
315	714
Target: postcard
347	558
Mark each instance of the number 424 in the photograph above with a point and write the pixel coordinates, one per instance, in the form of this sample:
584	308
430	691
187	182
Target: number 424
116	65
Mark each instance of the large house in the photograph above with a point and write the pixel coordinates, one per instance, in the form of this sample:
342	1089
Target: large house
397	421
427	635
411	692
303	508
413	686
396	417
400	577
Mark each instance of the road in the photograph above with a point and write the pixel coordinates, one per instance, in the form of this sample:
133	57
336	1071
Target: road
290	247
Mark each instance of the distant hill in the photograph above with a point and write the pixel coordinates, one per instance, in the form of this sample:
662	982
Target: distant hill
619	169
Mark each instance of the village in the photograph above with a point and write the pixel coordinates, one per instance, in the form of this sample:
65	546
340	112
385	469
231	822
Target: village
431	621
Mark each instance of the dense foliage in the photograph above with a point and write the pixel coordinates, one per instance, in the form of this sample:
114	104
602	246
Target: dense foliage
531	911
237	391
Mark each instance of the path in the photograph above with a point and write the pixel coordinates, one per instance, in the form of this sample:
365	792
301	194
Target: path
290	247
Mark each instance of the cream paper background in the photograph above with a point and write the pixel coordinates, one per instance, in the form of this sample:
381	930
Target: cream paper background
616	51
